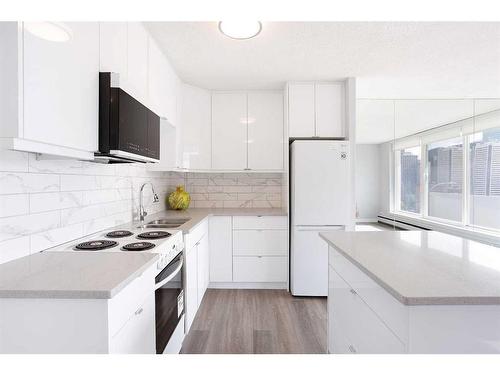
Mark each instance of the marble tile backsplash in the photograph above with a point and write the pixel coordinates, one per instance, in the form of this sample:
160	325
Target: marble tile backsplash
44	203
234	190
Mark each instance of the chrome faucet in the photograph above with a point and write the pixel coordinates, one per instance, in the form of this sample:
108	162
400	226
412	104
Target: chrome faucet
142	212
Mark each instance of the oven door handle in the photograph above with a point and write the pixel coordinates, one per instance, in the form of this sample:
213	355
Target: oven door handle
165	279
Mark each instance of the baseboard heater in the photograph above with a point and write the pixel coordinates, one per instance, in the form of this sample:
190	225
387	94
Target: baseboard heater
399	224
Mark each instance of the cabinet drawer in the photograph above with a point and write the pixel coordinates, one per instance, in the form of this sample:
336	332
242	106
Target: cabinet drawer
129	300
137	336
389	309
259	222
355	327
259	242
195	234
259	269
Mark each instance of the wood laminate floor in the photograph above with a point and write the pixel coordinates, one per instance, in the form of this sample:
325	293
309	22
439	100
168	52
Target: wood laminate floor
257	321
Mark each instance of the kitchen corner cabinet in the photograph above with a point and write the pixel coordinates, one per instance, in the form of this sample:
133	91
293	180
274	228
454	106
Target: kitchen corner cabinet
265	130
229	130
316	109
49	91
221	249
196	128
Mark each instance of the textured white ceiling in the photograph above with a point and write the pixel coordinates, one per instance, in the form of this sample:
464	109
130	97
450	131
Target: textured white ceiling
390	60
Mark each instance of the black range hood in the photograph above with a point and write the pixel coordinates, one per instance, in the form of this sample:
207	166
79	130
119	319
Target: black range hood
128	131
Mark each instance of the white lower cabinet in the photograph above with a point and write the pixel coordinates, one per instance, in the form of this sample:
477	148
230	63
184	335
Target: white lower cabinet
191	286
124	324
260	269
355	327
138	333
221	249
203	267
364	318
197	269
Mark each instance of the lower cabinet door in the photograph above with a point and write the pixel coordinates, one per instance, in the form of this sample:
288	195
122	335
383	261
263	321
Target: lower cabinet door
203	267
259	269
353	326
191	287
137	336
340	323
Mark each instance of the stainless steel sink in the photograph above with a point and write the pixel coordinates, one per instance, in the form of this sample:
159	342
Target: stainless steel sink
166	223
172	221
161	226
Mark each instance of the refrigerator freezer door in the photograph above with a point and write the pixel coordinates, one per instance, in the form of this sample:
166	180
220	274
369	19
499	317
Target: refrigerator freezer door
320	183
309	261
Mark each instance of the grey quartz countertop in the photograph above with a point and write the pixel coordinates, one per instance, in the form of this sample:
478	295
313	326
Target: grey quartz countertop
197	215
69	275
424	267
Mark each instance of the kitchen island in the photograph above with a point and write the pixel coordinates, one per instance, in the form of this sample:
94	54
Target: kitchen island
412	292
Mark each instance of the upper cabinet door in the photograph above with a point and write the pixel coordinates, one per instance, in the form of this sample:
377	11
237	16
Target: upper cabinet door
330	109
196	131
136	83
265	130
301	110
158	80
113	48
61	87
229	130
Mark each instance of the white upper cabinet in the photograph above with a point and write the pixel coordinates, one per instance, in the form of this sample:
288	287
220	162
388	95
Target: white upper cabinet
113	48
301	110
316	110
330	109
61	86
158	80
162	84
229	130
196	128
265	130
136	82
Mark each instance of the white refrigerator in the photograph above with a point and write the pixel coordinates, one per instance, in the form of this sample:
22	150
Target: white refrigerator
320	197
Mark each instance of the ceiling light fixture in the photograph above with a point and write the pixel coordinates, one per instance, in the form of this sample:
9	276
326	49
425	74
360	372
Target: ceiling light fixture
52	31
240	29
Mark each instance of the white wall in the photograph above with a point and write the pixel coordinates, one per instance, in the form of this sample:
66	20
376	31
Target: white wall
367	181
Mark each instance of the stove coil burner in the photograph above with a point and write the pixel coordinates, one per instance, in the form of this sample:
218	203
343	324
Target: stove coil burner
138	246
96	245
154	235
119	234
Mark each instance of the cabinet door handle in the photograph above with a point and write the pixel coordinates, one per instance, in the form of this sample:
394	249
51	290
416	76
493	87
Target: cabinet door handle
352	349
353	292
139	311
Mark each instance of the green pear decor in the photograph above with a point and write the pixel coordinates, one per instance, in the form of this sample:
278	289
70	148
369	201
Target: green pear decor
179	199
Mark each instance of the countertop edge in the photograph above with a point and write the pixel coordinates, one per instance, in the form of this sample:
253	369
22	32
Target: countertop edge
77	294
417	301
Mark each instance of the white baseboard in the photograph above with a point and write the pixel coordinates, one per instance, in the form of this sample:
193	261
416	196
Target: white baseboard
230	285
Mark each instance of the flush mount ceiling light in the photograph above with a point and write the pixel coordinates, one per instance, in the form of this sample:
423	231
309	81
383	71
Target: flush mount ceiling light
52	31
240	29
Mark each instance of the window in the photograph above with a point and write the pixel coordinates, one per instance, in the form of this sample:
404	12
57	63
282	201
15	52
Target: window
445	179
485	179
451	174
409	179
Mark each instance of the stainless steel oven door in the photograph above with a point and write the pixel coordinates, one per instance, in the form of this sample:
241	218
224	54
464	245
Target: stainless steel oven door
169	299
